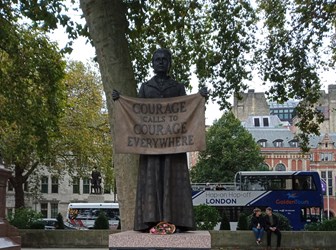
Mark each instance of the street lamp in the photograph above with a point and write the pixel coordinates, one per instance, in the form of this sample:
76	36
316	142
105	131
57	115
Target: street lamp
327	182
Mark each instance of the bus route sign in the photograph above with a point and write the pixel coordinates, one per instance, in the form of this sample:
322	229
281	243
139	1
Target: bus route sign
224	198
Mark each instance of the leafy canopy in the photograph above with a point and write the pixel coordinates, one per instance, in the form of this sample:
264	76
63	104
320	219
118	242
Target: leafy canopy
218	41
85	131
31	96
229	148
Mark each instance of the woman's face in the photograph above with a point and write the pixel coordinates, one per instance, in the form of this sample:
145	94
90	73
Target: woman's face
161	63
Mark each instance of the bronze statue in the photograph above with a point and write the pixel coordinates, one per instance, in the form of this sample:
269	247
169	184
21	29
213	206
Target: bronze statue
164	190
95	181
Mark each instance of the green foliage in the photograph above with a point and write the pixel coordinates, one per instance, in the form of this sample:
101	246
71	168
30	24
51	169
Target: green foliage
32	100
86	140
213	35
242	222
293	52
225	224
220	38
325	225
25	218
37	225
46	16
206	217
78	135
101	222
229	148
284	223
60	221
31	70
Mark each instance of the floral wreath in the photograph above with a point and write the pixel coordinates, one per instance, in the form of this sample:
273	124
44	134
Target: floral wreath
163	228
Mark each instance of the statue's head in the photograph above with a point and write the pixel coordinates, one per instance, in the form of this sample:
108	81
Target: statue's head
161	61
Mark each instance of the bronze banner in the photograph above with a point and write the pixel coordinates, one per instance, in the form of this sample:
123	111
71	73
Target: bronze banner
160	126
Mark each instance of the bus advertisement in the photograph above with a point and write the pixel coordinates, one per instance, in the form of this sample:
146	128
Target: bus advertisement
296	195
83	215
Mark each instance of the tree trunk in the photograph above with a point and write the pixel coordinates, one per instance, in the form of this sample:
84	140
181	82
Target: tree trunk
107	27
17	182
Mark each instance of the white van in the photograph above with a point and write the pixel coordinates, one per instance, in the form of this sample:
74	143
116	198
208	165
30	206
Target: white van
83	215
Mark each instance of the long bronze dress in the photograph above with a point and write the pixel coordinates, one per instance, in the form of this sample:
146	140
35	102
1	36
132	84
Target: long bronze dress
164	190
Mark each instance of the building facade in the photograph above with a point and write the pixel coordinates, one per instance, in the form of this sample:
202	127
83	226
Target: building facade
53	193
255	103
281	150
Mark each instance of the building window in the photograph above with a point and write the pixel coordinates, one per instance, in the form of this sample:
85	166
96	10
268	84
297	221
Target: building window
256	122
326	157
294	144
54	210
278	143
262	143
10	212
54	185
280	167
44	184
75	185
10	186
86	185
44	210
265	121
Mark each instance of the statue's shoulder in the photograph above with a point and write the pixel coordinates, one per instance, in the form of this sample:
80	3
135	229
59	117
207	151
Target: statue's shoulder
149	82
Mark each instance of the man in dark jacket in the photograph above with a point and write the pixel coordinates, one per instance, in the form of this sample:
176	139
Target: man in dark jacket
272	226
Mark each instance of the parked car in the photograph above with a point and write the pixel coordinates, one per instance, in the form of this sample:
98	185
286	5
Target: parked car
49	223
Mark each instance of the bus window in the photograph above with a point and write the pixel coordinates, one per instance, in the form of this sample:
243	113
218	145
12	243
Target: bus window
279	183
253	183
304	182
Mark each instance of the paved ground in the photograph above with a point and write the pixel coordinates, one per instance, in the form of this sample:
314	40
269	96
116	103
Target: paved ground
64	248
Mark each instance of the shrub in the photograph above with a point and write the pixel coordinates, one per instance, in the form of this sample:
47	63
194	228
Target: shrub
24	218
101	222
284	224
206	217
225	224
314	226
60	222
325	225
242	222
37	225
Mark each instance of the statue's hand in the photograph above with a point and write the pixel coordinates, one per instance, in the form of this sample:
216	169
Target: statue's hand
115	95
204	92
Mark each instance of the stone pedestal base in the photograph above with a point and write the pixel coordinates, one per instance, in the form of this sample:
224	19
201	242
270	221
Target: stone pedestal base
130	240
9	236
96	198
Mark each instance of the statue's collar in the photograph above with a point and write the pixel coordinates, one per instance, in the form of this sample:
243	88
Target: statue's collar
162	83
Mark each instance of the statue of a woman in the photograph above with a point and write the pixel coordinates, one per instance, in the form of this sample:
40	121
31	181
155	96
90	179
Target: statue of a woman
164	190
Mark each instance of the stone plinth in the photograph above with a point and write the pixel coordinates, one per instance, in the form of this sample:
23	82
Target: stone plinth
135	240
96	198
9	236
4	175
